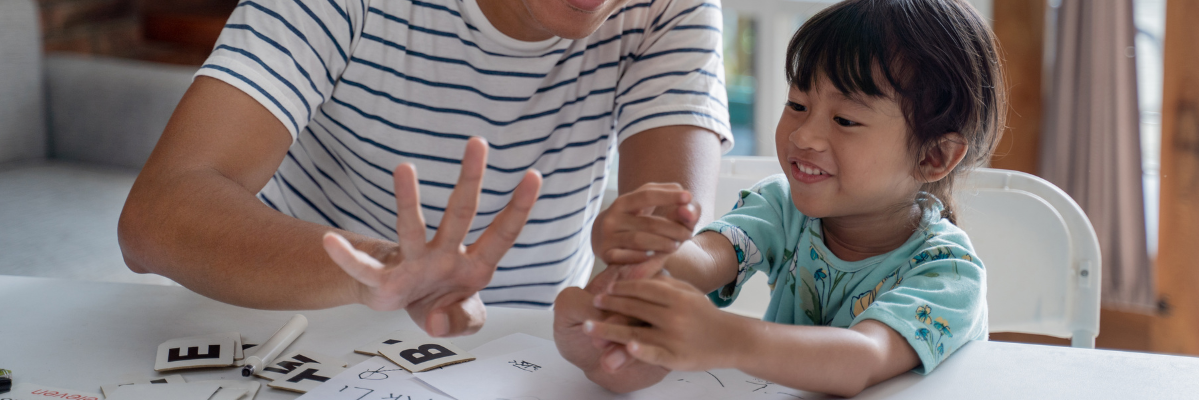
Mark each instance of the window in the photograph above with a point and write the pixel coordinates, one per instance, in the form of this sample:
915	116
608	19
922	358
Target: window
1149	16
756	34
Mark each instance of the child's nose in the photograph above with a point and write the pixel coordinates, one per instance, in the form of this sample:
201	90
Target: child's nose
810	135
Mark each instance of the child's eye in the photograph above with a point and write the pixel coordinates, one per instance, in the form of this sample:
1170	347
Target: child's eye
844	122
796	106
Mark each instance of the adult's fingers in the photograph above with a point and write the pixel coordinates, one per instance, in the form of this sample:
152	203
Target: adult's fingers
574	305
500	236
626	256
614	357
685	215
648	197
359	265
464	200
676	230
462	318
410	224
600	282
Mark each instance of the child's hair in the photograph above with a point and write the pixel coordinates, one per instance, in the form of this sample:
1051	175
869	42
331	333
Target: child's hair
936	57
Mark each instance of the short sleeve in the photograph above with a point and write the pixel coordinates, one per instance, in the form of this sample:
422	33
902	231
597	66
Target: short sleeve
287	55
938	306
676	75
762	228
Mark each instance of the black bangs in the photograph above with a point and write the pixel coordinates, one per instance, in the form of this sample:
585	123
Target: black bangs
846	44
937	56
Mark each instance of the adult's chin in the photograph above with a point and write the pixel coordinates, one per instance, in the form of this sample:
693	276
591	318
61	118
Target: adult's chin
572	19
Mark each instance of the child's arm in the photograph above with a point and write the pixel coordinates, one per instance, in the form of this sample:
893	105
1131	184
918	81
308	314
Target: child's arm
707	261
688	332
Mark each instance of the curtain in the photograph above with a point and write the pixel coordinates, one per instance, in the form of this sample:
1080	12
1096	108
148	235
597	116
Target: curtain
1090	143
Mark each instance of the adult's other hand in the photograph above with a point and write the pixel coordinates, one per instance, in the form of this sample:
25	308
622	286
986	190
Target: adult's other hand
438	281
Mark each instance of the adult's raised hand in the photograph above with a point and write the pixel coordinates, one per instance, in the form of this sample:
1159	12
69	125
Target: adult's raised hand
438	281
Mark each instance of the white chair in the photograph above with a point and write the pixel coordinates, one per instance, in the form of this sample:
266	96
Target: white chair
1040	251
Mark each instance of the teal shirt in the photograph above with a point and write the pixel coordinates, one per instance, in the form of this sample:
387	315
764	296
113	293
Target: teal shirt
932	289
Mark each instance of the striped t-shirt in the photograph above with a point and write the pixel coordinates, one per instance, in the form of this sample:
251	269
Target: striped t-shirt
364	85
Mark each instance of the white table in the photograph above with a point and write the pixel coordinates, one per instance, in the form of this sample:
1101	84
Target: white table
80	335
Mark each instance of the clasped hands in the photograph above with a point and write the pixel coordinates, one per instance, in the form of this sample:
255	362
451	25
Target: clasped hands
438	281
634	322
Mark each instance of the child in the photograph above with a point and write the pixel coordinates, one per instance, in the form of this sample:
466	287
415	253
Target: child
890	100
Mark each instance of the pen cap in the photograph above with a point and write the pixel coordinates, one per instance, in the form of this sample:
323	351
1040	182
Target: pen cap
281	339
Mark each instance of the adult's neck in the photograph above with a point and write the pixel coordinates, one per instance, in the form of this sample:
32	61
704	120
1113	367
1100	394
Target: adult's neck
858	237
513	19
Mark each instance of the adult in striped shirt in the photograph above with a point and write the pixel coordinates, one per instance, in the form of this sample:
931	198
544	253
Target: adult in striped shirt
356	116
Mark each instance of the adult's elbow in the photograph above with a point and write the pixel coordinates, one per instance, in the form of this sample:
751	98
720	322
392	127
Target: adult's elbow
133	236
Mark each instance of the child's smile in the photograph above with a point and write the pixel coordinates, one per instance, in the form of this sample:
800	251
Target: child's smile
808	172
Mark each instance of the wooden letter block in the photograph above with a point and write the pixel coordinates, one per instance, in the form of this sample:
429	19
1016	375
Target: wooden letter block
214	350
425	354
306	377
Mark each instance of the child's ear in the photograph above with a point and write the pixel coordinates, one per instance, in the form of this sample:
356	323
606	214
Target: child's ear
939	160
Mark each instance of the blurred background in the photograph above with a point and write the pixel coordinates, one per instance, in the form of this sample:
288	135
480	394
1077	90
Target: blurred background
1103	98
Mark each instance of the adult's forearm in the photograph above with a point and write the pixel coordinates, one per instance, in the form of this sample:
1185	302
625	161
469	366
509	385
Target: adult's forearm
214	237
687	155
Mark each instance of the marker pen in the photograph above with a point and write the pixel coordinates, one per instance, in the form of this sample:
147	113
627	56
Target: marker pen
5	380
271	349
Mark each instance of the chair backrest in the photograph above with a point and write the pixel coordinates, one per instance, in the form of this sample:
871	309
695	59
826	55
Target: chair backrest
22	121
1040	251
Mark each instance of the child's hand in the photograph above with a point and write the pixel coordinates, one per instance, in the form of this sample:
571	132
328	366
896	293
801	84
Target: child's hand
686	332
629	232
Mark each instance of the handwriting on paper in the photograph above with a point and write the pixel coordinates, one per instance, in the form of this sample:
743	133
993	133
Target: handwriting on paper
374	379
525	365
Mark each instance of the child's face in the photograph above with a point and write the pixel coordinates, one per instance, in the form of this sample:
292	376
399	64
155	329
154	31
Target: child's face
845	157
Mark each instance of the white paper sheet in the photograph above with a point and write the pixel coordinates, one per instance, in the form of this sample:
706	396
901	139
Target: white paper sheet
508	344
234	389
538	371
107	390
376	378
525	367
174	391
541	373
731	384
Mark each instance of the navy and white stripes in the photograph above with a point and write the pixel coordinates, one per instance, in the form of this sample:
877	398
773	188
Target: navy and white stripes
364	85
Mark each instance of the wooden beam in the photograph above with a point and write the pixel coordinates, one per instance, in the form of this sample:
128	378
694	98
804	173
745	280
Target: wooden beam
1020	29
1176	330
